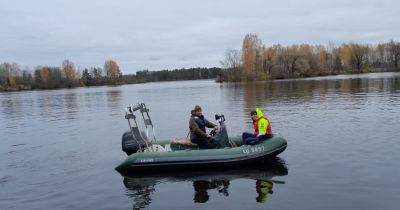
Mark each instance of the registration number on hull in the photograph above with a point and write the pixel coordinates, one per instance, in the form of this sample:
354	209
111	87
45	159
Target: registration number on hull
254	149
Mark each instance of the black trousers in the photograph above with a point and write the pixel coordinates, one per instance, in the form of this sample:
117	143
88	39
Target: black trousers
251	139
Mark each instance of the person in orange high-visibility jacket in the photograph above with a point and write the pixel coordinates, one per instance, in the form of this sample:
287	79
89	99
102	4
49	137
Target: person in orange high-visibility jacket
262	128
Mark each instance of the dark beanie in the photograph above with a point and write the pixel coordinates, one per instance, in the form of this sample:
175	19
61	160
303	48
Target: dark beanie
197	108
253	112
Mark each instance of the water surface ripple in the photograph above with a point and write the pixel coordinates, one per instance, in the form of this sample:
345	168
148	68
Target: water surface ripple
58	148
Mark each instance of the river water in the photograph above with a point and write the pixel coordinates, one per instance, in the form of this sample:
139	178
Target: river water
58	148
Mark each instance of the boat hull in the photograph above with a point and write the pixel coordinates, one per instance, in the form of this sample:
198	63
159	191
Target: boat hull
204	158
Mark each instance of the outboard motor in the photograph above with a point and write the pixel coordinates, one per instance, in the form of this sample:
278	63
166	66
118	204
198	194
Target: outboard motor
131	145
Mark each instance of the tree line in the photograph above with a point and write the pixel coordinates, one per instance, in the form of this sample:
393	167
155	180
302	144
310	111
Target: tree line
12	77
256	61
178	74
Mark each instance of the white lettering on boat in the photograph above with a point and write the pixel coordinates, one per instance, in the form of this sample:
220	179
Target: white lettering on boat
254	149
145	160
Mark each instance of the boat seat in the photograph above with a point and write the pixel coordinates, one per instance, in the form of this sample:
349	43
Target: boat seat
182	144
154	148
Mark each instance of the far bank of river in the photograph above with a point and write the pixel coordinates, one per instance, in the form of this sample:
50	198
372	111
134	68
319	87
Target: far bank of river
117	83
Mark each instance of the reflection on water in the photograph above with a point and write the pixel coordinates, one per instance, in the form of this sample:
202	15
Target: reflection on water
258	94
300	98
71	105
202	186
140	192
114	99
141	187
264	188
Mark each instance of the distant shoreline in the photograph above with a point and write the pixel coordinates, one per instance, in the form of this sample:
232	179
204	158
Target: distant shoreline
49	78
29	88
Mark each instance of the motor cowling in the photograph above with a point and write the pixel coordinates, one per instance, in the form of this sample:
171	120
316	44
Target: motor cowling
130	145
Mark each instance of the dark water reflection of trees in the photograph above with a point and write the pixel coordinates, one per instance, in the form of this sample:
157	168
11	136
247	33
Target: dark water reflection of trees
259	94
114	97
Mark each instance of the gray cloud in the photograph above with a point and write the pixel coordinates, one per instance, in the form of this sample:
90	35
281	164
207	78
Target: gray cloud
174	34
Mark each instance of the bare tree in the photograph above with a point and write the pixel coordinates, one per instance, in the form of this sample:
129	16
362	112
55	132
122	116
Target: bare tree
268	58
359	55
394	50
289	57
232	65
8	74
330	49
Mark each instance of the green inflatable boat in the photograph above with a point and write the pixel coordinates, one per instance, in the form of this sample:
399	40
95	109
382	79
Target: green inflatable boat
146	154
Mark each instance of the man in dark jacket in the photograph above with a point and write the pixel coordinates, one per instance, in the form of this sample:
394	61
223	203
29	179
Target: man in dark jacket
197	126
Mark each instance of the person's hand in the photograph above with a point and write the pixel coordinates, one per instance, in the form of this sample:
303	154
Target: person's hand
216	128
208	136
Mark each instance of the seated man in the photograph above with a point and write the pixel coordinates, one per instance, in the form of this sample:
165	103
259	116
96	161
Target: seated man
262	128
197	126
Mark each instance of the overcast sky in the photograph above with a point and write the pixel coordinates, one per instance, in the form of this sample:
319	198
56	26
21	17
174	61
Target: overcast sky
168	34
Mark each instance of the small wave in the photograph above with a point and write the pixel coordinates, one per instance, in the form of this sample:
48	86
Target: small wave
16	145
4	179
23	149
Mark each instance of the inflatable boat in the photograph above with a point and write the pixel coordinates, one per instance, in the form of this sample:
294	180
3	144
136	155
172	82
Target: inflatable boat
145	153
